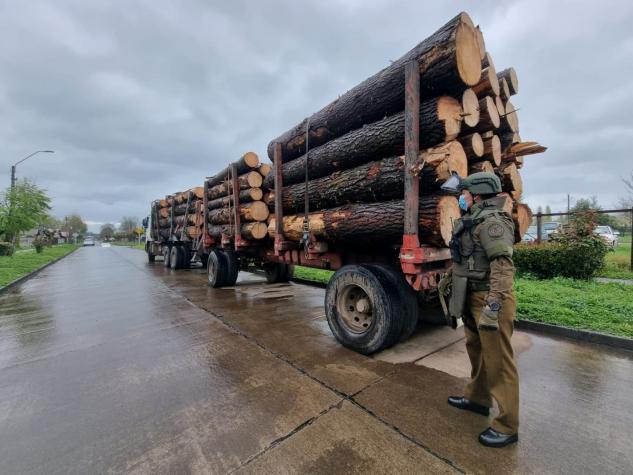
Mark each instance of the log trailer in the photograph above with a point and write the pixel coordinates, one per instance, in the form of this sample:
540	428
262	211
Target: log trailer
379	291
389	251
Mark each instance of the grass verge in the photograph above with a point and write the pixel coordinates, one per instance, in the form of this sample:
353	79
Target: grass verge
618	262
23	263
593	306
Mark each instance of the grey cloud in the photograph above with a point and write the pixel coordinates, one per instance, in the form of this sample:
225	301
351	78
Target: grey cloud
143	98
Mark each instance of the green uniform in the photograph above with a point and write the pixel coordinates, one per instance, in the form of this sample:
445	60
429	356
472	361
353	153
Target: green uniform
483	273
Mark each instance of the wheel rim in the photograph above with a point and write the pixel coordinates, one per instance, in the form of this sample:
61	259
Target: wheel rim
212	271
355	309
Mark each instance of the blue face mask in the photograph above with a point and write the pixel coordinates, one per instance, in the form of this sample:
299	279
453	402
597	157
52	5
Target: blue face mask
462	203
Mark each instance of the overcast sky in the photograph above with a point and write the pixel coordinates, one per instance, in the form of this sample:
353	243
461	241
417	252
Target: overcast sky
143	98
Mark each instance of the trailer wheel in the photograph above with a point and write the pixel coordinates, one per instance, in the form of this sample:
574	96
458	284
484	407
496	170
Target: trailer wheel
216	268
410	309
363	309
150	255
232	266
183	255
166	255
277	272
175	258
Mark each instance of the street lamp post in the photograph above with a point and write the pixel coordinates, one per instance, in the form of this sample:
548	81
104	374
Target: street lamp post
13	167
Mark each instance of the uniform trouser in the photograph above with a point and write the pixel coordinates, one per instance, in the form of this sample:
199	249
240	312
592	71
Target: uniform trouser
494	373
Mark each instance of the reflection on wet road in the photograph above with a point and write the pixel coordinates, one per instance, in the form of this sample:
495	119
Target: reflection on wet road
108	364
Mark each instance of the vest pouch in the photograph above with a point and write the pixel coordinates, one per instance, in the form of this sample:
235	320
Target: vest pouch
459	291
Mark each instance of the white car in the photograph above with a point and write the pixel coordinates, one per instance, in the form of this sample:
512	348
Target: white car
606	233
89	242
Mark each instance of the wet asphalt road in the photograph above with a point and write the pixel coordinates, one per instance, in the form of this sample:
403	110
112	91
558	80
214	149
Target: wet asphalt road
109	365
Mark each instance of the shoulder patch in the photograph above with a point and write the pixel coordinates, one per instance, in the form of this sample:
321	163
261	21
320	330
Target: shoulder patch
495	230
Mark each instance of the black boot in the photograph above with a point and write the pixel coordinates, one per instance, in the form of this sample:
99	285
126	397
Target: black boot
492	438
461	402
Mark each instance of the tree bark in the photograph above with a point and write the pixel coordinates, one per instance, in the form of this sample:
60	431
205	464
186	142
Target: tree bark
440	121
522	217
504	89
484	166
375	181
492	151
473	145
247	162
511	78
182	208
195	219
449	62
489	84
377	222
256	230
254	211
248	180
245	196
511	181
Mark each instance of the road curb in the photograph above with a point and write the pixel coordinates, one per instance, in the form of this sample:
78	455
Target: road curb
20	280
575	334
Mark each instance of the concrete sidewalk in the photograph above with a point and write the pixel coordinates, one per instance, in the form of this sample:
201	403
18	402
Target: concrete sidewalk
108	364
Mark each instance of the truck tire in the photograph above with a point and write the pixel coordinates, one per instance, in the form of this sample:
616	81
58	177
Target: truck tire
150	255
363	309
217	268
166	254
232	266
277	272
175	258
408	298
184	256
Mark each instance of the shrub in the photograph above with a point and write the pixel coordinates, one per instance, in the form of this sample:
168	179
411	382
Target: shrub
575	253
39	243
6	248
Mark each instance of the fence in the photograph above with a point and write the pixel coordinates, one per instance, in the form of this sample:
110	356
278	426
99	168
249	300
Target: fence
539	223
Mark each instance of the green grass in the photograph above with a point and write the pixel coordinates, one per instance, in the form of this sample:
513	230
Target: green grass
618	262
22	263
605	308
315	275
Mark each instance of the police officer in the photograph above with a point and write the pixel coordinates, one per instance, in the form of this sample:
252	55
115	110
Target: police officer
482	295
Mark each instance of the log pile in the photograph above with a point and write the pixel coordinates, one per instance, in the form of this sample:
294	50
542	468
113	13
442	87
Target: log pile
180	216
355	145
252	210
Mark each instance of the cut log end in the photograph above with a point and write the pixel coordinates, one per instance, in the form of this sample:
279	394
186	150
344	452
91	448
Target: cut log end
251	159
265	169
500	106
449	110
492	150
258	230
511	118
481	167
448	214
470	108
468	54
489	115
255	211
481	43
254	179
473	145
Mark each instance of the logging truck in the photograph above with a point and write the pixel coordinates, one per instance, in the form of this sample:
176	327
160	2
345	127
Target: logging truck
355	188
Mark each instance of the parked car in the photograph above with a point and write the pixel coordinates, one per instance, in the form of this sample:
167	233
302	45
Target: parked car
606	233
89	242
530	235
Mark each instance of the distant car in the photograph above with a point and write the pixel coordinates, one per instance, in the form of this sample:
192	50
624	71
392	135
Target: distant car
607	234
89	242
530	235
105	244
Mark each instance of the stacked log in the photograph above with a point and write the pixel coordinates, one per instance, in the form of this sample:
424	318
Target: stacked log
180	216
221	205
355	165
